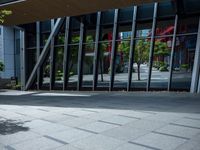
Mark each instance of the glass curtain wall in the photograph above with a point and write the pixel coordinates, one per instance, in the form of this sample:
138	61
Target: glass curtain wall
183	57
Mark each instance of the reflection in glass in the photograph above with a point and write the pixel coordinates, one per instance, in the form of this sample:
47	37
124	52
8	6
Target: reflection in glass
161	63
46	73
72	72
183	62
59	51
140	65
88	62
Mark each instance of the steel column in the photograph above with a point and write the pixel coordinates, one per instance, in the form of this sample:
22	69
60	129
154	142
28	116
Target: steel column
44	53
22	59
66	53
39	77
52	59
198	90
196	67
152	45
114	50
96	51
81	54
172	53
132	49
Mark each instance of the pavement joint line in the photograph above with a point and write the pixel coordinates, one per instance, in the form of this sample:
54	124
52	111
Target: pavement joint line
146	146
71	115
192	118
153	113
9	147
180	137
90	111
130	117
57	140
110	122
184	126
93	132
42	110
47	120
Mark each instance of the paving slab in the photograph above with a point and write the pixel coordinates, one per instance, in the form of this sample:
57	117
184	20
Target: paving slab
159	141
129	146
70	136
98	127
149	125
99	121
17	137
180	131
37	144
125	133
98	142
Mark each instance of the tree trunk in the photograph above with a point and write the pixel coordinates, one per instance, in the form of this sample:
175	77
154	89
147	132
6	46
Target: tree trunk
101	69
138	69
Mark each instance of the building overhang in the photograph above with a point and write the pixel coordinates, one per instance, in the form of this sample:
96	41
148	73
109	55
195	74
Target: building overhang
27	11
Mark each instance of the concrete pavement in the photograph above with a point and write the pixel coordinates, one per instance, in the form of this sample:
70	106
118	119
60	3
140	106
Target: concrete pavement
99	121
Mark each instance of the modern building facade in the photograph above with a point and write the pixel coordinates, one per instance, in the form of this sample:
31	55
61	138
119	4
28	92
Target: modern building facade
153	46
9	52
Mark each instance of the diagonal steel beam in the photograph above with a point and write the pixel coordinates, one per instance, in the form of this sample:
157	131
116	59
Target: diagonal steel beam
66	53
97	51
52	59
81	52
196	69
39	77
132	49
44	53
172	53
114	50
23	59
152	45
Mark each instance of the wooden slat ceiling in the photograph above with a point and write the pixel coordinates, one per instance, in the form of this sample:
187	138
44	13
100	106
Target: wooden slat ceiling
27	11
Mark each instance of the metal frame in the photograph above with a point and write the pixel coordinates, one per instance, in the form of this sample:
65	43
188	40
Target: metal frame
132	48
97	51
66	53
195	86
44	53
113	52
52	59
39	76
23	59
198	90
172	53
81	54
152	45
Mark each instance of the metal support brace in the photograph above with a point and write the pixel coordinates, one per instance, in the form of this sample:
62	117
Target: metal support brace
114	51
172	53
198	90
96	56
52	59
196	69
81	54
22	60
152	45
39	81
66	53
44	53
132	49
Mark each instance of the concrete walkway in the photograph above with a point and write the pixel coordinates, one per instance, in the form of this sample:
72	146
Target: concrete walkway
99	121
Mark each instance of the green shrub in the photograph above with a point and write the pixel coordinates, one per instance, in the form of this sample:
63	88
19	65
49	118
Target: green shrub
163	69
185	66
